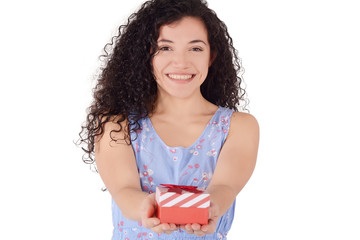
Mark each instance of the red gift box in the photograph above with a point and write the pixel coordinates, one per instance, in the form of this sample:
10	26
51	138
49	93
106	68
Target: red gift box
182	204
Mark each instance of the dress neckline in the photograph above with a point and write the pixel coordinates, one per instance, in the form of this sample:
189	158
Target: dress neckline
194	143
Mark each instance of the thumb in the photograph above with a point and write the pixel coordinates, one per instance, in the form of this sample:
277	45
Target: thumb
213	210
149	206
148	217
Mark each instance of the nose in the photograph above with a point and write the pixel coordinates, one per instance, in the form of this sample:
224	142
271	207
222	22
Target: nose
180	59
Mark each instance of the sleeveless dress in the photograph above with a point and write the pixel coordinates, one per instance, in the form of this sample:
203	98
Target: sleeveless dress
160	164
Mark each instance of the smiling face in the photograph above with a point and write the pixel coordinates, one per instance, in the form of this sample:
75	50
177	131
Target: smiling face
181	64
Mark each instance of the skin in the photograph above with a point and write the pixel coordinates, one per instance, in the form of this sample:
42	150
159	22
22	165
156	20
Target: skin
180	111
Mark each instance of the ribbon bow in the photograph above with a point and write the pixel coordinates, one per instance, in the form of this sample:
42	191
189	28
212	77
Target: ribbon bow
179	188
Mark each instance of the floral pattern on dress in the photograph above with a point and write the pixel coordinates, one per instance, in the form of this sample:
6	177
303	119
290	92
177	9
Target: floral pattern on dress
160	164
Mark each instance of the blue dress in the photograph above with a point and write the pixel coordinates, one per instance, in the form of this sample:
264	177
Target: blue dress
160	164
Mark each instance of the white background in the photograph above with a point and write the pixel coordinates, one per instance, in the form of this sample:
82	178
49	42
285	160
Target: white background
301	62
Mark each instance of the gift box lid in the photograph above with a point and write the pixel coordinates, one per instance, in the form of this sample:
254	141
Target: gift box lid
182	196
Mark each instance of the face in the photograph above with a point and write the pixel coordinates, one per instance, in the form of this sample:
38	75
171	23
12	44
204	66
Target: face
181	64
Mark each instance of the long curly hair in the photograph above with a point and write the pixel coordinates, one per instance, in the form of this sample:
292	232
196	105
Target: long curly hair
126	87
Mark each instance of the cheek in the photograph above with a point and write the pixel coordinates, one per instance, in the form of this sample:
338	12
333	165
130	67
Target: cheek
203	62
204	67
158	64
158	68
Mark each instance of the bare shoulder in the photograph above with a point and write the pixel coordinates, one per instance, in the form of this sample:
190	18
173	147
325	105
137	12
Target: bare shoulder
244	123
238	156
113	129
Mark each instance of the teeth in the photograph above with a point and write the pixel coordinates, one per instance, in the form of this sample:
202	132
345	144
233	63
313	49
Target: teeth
180	77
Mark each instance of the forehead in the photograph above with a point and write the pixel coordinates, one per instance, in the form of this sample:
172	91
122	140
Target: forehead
184	29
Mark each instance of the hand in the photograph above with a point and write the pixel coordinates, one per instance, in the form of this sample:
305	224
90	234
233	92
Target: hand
201	230
149	220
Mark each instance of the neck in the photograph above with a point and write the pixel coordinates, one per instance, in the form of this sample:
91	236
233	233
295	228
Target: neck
181	108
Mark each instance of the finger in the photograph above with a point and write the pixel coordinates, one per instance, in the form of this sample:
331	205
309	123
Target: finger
165	226
147	212
197	229
188	229
174	227
210	227
199	233
195	226
168	232
150	222
148	208
182	227
213	211
161	228
158	228
204	228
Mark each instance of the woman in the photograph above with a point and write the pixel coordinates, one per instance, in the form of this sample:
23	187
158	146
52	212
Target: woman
165	111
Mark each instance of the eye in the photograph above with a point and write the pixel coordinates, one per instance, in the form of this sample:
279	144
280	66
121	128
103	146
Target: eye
196	49
164	48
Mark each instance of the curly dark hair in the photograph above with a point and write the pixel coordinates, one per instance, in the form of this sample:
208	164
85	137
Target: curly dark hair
126	86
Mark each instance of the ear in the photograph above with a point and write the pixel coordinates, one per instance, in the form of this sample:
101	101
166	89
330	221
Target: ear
212	57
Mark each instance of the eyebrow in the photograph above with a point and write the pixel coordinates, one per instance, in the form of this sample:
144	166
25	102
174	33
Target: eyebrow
191	42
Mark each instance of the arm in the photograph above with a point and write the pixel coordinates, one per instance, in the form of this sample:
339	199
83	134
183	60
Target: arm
235	165
117	167
236	161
